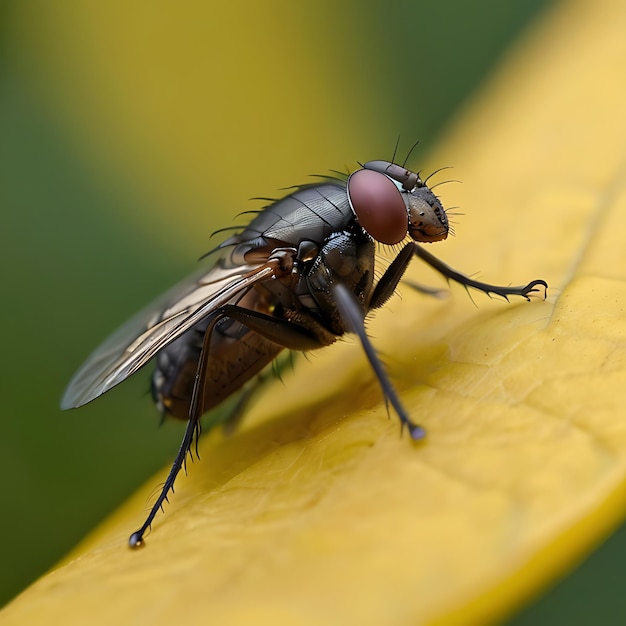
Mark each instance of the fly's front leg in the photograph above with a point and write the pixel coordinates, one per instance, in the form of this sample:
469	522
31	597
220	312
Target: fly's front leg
389	280
536	287
392	276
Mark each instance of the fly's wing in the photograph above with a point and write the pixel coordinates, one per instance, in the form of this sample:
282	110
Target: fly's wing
137	341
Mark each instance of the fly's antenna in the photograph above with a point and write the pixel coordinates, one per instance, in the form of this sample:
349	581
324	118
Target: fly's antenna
395	150
410	152
445	167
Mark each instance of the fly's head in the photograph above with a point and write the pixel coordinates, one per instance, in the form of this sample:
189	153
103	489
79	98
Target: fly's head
390	202
428	221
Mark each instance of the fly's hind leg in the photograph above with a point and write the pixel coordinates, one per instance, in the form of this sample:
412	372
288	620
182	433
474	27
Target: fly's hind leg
192	433
279	331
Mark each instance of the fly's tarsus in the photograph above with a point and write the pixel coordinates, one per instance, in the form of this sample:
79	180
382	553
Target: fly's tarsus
535	286
416	431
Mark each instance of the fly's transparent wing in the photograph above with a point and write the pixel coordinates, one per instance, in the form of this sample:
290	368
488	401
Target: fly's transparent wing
137	341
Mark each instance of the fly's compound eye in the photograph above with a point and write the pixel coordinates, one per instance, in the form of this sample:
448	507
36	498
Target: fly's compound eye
378	205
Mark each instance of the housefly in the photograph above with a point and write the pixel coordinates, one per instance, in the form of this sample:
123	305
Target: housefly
297	277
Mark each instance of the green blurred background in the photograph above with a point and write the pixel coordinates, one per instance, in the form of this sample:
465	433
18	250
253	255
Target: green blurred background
128	133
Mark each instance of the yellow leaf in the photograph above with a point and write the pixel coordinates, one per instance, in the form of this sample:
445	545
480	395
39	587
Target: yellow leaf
317	511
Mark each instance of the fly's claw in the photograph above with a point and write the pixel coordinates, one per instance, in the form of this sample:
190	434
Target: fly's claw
535	287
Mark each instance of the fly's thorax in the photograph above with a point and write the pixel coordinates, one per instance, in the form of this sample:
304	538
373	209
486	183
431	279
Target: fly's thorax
312	213
347	257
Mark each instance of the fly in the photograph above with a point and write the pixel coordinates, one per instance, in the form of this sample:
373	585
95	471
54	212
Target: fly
297	277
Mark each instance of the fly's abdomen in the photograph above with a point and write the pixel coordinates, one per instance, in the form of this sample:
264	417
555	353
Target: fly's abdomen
236	355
